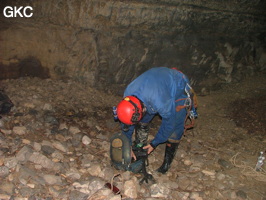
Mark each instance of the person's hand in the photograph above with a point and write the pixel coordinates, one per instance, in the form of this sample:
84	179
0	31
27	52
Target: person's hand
133	155
149	148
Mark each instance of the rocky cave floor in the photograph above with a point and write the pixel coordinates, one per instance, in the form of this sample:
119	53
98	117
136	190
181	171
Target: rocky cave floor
54	144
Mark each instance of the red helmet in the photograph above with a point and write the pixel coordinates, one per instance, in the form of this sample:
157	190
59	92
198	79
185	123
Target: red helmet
129	110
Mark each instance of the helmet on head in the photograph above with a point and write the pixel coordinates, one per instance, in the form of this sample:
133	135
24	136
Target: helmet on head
129	110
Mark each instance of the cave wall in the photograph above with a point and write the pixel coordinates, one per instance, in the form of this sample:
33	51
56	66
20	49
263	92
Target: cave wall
109	43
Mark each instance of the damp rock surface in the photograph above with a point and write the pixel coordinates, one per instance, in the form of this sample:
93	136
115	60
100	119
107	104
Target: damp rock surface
54	144
108	43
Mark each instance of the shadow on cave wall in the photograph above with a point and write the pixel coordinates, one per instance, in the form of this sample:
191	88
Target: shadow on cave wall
28	67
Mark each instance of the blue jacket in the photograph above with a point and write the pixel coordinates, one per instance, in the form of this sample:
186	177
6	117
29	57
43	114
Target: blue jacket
159	88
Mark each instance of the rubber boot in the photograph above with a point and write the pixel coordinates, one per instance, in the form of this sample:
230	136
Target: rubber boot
141	135
170	150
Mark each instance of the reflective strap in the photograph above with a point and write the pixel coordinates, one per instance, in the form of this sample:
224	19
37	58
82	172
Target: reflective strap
188	88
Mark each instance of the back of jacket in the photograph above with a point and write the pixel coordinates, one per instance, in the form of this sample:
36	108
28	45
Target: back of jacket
159	88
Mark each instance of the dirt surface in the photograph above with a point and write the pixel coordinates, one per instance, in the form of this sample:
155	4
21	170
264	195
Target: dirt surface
232	125
250	113
215	160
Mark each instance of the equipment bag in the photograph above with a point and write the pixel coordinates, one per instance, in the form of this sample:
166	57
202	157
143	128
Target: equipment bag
120	153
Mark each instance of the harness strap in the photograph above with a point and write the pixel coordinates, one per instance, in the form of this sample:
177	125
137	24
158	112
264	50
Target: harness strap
193	100
192	120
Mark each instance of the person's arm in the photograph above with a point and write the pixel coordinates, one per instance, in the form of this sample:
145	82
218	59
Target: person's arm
166	129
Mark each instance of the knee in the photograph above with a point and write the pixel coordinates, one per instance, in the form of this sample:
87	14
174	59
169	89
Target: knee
172	141
176	136
143	126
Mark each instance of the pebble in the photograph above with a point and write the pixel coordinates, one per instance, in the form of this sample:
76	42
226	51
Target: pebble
63	126
25	141
195	196
95	169
86	140
225	164
6	131
10	162
73	174
83	187
7	188
37	146
208	172
42	160
60	146
19	130
31	185
183	195
187	162
183	182
47	150
160	190
52	179
241	194
24	154
58	155
48	107
96	183
130	189
220	176
4	171
74	130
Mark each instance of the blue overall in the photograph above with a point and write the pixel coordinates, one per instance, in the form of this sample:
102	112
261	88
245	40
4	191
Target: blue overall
159	88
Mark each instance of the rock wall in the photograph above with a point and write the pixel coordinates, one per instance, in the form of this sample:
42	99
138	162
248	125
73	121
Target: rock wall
107	42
